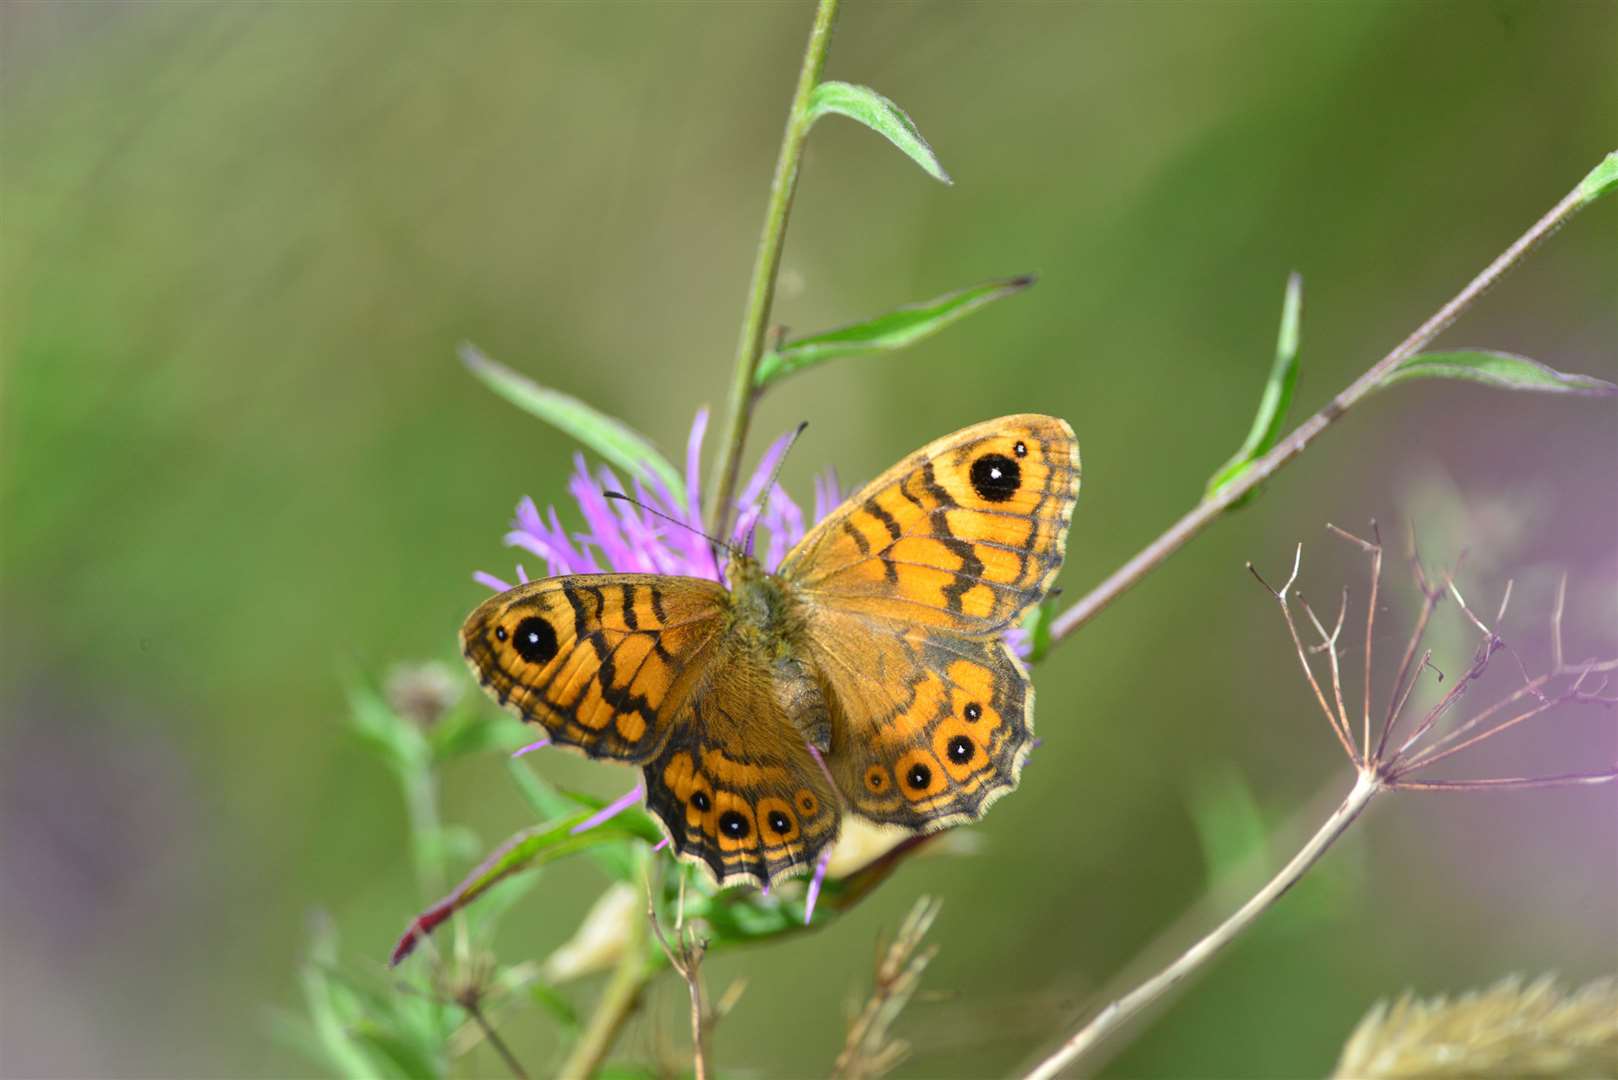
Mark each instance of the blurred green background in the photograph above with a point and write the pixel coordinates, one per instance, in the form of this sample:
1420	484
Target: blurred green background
240	243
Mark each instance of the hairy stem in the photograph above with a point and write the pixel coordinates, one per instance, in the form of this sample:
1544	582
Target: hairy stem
767	264
616	1005
1131	1005
1205	512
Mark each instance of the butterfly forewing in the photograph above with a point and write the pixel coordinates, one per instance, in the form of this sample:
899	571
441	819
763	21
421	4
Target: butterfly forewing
963	535
603	661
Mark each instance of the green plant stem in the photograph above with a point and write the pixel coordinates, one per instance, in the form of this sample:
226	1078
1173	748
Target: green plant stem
766	267
426	841
1205	512
614	1008
1131	1005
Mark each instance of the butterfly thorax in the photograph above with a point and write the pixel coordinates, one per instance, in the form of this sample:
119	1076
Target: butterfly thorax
765	629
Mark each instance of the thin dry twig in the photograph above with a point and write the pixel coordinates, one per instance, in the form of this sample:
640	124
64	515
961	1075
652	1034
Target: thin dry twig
1303	656
1211	509
870	1051
1377	770
685	957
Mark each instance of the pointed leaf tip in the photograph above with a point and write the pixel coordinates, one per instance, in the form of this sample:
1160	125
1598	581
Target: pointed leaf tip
1505	371
1277	396
882	116
608	436
1602	179
889	332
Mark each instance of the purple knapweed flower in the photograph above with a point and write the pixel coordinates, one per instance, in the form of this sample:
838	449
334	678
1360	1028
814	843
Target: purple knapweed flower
621	537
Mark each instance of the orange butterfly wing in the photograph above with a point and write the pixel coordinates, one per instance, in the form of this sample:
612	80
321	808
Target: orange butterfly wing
963	535
908	589
603	661
735	786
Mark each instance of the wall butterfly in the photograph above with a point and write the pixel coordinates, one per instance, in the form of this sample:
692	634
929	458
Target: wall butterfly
868	675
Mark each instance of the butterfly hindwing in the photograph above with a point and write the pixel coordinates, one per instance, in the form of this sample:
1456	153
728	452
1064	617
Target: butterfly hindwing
929	728
735	786
963	535
603	661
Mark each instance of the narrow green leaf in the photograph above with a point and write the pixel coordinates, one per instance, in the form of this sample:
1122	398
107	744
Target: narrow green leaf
546	802
1277	396
1229	823
1503	370
527	849
881	116
611	438
556	1003
895	330
1037	625
470	729
1602	179
395	739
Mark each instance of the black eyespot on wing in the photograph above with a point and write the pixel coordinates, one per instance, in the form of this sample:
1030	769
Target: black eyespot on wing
1021	449
973	712
535	640
960	749
919	776
996	477
499	633
700	800
733	825
779	822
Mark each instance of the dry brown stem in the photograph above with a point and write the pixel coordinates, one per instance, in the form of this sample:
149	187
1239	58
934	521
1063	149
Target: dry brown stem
685	957
1377	769
870	1051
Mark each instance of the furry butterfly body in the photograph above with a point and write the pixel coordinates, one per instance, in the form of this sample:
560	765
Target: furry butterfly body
867	675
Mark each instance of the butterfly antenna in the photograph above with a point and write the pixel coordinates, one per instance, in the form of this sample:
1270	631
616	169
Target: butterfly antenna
764	496
655	512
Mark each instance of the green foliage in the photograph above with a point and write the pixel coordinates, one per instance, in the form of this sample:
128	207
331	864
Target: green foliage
1273	403
611	438
1503	370
355	1028
1037	624
1602	179
882	116
1238	836
889	332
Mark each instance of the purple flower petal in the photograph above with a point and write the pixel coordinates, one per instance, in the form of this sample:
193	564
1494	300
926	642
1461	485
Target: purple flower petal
1021	642
611	810
490	581
661	844
693	468
542	743
603	526
814	886
747	502
828	494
